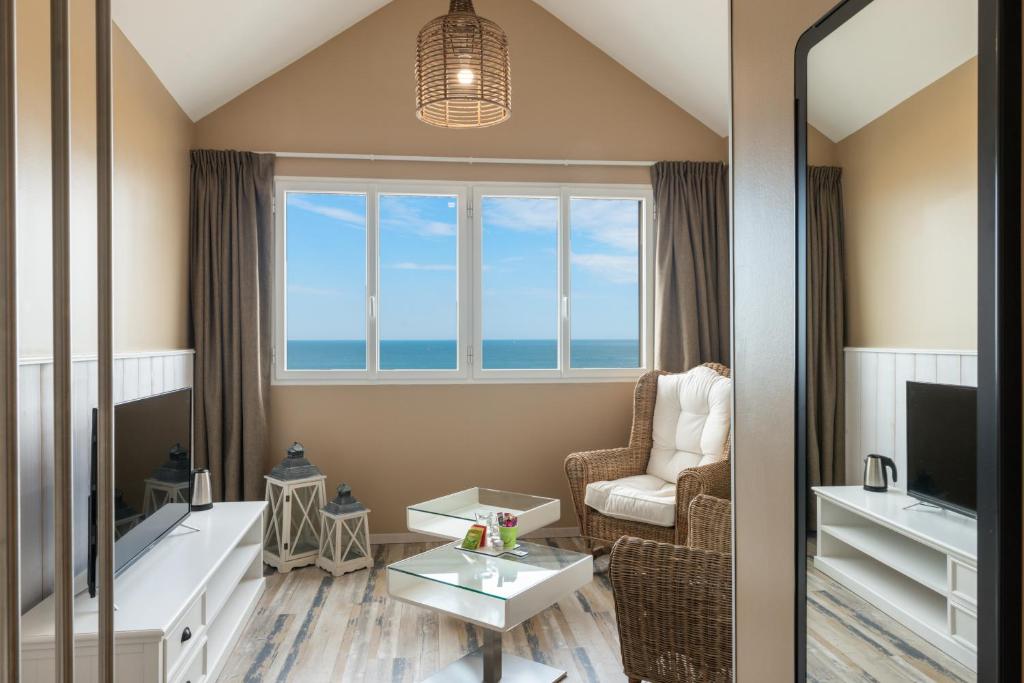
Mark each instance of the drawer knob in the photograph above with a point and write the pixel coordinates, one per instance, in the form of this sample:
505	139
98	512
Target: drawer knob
186	634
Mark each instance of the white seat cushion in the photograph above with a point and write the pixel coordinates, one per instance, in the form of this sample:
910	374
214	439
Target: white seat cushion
640	498
692	414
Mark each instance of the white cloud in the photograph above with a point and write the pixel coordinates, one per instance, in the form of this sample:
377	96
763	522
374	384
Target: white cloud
613	222
404	214
614	268
522	214
350	219
407	265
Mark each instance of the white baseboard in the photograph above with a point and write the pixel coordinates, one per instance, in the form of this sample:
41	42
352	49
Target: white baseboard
410	537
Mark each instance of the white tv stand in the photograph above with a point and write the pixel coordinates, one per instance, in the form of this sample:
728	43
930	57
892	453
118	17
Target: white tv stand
917	565
180	608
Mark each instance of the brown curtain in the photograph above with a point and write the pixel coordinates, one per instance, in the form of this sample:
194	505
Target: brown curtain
231	223
826	329
692	264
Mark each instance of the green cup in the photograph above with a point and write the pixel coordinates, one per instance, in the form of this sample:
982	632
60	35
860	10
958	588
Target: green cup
508	535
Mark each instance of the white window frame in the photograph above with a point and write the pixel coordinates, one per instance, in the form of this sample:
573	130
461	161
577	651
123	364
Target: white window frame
469	277
646	275
533	191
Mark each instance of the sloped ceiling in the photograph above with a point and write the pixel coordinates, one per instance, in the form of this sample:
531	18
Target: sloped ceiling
679	47
207	52
887	52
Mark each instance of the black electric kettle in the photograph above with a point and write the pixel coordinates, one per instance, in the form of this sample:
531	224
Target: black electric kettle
874	472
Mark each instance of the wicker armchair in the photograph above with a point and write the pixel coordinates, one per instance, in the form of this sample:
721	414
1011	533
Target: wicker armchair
674	603
615	463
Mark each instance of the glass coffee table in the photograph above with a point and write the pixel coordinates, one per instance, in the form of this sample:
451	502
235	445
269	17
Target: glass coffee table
451	516
496	593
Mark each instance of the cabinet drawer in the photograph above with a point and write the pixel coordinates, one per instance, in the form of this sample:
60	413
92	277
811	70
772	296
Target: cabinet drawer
963	582
184	634
963	626
194	671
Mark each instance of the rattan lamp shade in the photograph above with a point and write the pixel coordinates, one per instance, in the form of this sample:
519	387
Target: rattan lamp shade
462	70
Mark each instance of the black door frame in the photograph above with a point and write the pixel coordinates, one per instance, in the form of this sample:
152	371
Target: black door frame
999	334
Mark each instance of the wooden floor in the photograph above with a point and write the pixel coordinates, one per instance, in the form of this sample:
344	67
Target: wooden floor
850	640
312	627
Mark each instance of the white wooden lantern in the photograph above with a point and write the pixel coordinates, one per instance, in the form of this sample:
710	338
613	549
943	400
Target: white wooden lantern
344	535
295	494
169	482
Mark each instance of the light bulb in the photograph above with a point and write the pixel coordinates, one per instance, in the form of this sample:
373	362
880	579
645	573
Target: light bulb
466	76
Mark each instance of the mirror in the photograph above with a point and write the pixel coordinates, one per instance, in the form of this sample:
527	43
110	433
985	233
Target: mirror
890	343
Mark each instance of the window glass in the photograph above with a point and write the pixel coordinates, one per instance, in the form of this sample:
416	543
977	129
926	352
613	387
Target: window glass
520	283
418	318
605	282
326	281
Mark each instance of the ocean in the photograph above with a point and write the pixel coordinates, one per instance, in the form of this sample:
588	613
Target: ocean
499	354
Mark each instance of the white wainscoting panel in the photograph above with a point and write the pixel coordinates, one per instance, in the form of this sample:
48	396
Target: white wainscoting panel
876	399
35	385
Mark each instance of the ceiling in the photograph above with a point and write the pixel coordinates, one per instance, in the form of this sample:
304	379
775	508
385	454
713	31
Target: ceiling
887	52
679	47
205	64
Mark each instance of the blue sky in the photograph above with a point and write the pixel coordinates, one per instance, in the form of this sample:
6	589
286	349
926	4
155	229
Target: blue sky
418	252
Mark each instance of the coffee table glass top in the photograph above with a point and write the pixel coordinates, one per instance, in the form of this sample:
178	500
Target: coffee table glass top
451	516
462	506
502	577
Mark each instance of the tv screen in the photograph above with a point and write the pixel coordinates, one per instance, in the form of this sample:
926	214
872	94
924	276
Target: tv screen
942	435
152	475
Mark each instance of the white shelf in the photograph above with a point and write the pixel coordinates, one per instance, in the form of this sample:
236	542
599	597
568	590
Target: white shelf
225	630
153	592
891	590
946	531
899	560
916	561
207	579
228	576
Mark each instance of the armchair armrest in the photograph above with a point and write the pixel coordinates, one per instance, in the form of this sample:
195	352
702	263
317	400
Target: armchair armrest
711	480
589	466
710	524
673	605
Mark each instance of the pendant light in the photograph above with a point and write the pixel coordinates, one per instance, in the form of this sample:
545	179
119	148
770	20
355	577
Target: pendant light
462	70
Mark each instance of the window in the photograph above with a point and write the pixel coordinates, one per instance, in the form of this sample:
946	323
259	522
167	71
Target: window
416	282
326	281
419	282
520	282
605	296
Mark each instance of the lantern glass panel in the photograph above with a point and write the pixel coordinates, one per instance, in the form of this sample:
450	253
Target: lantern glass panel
303	513
351	539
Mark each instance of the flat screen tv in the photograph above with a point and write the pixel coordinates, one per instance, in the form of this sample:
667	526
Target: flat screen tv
152	475
942	445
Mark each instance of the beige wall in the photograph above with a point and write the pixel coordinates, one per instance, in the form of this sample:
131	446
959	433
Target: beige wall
820	150
764	35
355	94
910	185
152	138
398	445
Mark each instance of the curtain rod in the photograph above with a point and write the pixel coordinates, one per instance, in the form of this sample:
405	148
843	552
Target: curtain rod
459	160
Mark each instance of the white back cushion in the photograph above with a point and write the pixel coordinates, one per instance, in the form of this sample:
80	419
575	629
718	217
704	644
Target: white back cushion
691	421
